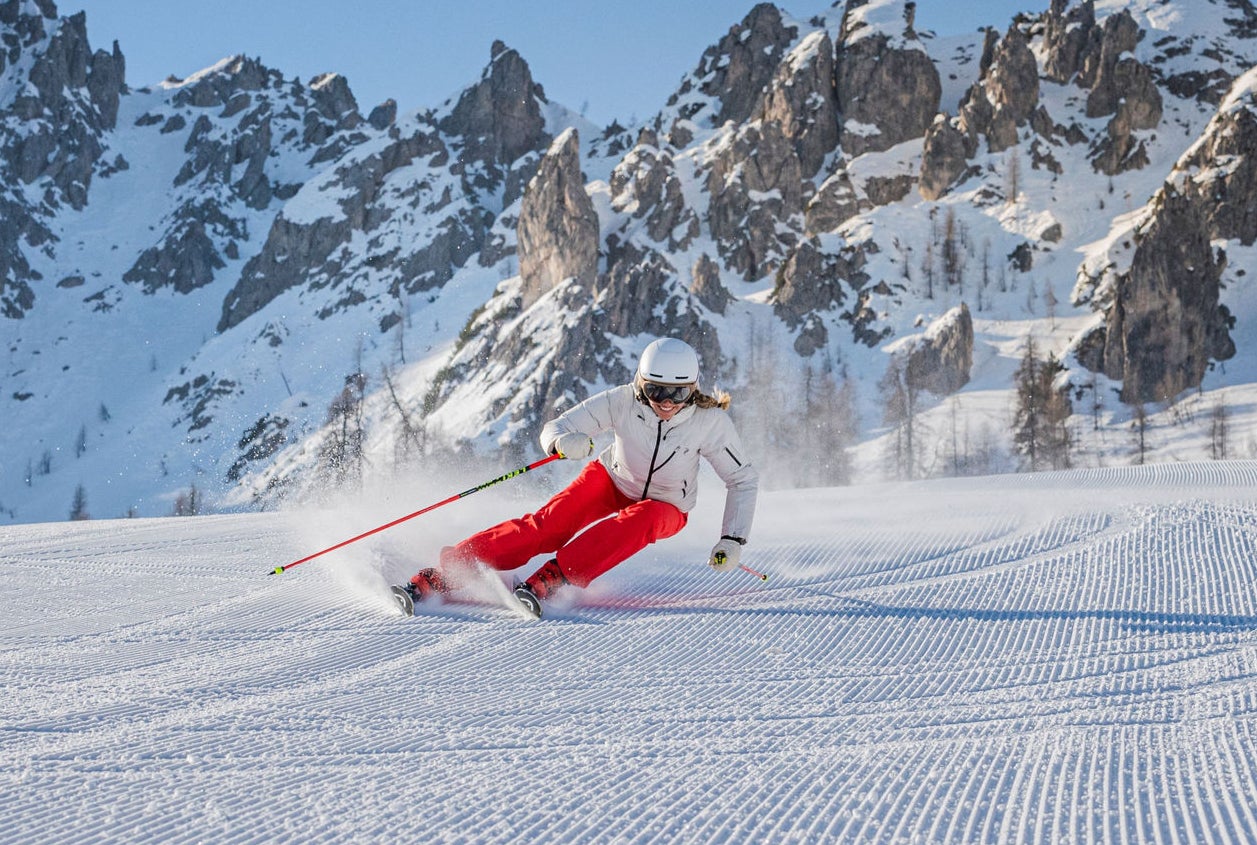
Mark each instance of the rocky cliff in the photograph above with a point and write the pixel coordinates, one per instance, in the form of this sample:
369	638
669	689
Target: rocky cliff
61	100
461	169
815	197
1164	321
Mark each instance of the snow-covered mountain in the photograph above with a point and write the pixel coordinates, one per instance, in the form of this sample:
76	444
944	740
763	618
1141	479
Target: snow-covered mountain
1043	657
233	288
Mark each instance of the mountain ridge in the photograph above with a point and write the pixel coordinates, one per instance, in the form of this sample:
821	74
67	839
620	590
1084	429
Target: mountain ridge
326	299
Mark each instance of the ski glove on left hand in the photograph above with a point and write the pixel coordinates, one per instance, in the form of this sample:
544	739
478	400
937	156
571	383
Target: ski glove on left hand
574	445
725	555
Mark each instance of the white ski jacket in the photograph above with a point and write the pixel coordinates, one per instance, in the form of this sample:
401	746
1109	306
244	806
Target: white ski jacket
657	459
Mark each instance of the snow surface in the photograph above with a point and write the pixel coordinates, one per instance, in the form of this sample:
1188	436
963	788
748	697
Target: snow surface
1031	658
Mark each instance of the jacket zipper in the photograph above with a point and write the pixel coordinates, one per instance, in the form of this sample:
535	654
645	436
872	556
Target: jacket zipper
655	454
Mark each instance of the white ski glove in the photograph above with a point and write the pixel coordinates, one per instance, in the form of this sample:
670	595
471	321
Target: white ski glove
574	446
725	555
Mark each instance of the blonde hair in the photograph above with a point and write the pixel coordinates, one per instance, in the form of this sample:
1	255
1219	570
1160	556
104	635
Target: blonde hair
719	399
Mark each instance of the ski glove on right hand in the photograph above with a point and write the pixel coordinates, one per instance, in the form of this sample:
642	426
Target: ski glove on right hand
574	445
725	555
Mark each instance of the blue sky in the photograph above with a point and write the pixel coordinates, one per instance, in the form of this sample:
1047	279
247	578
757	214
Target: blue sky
419	52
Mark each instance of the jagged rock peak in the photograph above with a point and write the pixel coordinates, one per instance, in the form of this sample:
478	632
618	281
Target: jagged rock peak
384	115
1068	38
802	98
334	99
888	87
238	82
60	99
705	284
1226	192
558	227
500	116
1013	78
944	157
62	61
755	178
1003	100
736	70
1164	320
218	83
894	20
1114	75
1121	86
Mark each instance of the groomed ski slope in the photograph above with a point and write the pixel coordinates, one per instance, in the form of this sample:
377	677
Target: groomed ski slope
1053	658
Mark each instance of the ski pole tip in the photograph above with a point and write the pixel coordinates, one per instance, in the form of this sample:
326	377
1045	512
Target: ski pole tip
279	570
760	575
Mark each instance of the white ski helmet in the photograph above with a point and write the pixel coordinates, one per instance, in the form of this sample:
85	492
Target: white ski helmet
669	361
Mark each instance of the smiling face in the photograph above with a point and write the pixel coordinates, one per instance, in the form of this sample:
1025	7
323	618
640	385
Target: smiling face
665	410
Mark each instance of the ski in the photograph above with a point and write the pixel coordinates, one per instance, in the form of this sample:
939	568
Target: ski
500	599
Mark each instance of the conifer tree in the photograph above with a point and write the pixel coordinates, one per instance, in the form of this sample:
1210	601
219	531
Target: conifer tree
1040	423
828	428
1139	428
1219	429
78	507
341	456
899	409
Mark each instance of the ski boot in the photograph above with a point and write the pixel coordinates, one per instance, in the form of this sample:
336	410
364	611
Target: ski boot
542	584
427	582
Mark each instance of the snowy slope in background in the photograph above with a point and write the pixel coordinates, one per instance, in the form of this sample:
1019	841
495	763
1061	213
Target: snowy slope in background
1058	657
137	397
487	406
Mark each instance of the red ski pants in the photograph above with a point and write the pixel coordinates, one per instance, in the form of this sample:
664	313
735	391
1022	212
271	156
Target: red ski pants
587	501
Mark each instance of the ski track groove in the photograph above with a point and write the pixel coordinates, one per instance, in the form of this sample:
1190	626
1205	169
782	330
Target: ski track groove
1055	661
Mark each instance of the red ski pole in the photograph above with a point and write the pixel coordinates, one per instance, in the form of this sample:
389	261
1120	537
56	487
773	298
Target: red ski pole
720	557
280	570
761	576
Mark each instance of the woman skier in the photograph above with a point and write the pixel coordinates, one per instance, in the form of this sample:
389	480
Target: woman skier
639	490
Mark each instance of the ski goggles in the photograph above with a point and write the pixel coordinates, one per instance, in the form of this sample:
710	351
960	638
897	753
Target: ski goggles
675	393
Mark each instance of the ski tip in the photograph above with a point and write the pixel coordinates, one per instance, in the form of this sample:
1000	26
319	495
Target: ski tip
404	600
528	604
